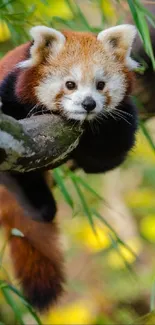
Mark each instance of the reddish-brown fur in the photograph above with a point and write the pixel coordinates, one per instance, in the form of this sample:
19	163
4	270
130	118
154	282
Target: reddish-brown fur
79	47
108	98
12	58
58	101
37	258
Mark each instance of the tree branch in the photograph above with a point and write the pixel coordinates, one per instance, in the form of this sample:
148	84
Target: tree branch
35	142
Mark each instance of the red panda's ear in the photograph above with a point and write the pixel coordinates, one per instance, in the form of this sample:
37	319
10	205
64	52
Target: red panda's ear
118	40
45	40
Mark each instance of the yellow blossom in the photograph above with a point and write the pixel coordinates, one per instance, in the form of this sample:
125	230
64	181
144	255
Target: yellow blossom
108	10
141	198
95	240
4	32
147	227
116	259
54	8
75	313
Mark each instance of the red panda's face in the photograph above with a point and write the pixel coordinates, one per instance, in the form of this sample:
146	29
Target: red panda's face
82	90
80	75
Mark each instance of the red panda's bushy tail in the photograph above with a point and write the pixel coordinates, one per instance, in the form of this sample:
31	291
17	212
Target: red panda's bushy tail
37	258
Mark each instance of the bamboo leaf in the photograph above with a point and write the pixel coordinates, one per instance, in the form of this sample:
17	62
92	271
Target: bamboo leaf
9	299
63	189
119	240
147	135
116	247
139	15
25	302
152	299
76	11
89	188
148	319
85	206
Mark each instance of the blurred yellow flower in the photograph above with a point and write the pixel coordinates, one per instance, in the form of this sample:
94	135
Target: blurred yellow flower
96	242
4	32
116	260
81	231
75	313
147	227
108	10
54	8
141	198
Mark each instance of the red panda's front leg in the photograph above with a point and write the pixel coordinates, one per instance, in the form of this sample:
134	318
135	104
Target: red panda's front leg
37	257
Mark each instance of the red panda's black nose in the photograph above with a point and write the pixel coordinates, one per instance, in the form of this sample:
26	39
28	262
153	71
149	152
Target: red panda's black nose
89	104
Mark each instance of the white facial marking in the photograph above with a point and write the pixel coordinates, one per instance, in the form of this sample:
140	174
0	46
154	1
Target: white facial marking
48	89
116	88
73	105
85	86
76	72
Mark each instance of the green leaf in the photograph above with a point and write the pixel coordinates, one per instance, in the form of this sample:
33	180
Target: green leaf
152	299
119	240
148	13
9	299
147	135
143	125
139	15
71	6
23	300
58	178
76	11
116	247
71	24
89	188
148	319
85	206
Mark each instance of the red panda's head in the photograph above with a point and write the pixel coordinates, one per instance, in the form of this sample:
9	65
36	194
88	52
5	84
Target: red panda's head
80	75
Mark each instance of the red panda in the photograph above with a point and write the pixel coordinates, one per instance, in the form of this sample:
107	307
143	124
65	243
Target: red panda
83	77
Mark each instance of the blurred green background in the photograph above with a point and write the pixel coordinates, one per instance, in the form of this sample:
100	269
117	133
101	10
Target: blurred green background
108	221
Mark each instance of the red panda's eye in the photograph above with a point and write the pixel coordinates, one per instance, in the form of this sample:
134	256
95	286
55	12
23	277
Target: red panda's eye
100	85
70	85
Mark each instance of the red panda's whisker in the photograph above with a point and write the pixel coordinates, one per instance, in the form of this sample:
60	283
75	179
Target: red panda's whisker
103	114
112	115
91	126
121	116
123	112
31	111
36	113
95	124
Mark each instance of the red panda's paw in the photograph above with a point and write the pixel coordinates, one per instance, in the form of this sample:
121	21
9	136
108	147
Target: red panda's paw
41	279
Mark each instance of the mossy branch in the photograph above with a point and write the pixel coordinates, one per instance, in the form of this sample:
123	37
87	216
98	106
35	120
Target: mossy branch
36	142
